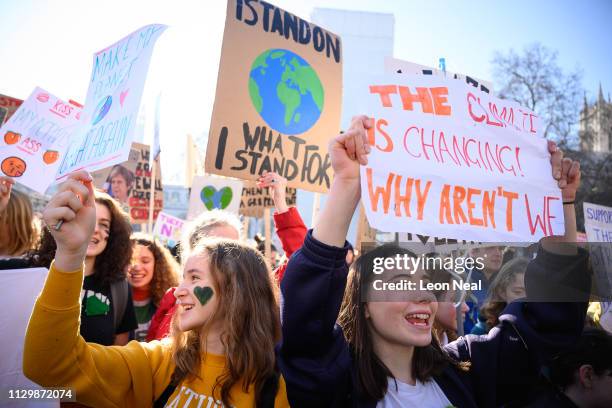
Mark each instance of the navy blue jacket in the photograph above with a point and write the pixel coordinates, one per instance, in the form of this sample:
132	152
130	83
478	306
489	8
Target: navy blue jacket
318	366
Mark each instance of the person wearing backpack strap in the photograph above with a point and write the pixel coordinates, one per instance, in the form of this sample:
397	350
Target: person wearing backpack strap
221	350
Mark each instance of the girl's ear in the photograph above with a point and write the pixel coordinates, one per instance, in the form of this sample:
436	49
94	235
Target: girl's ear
367	312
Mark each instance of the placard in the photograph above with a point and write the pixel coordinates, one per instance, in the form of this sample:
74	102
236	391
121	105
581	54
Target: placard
450	161
278	97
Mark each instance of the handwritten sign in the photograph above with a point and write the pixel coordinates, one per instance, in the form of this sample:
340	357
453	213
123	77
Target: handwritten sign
8	106
278	97
130	183
598	222
209	193
111	107
168	229
451	161
598	226
255	199
35	139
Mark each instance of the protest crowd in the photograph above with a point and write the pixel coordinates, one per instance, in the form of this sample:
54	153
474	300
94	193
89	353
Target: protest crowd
195	313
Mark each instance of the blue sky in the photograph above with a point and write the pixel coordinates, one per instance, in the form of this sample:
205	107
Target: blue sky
50	43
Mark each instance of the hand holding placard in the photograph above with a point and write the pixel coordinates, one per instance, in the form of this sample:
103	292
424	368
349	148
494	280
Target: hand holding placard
74	204
349	150
451	161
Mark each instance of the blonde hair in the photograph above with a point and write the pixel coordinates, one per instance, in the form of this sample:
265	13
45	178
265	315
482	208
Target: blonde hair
247	306
203	224
18	223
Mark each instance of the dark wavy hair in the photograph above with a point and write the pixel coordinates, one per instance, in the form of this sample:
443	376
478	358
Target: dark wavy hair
110	266
166	270
372	373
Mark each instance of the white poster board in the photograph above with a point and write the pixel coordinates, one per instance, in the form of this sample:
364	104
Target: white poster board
22	287
111	106
450	161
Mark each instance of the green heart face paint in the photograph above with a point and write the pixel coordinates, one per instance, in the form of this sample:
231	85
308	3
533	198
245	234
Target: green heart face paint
203	294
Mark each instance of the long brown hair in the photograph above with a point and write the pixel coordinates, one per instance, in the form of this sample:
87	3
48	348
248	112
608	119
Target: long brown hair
110	265
495	302
166	269
17	222
247	305
371	371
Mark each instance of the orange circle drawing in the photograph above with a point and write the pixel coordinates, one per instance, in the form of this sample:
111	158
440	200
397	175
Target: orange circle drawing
13	166
50	156
11	137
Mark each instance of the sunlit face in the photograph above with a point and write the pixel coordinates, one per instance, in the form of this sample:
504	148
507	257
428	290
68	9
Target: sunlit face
99	239
142	266
119	188
406	323
516	289
447	312
196	295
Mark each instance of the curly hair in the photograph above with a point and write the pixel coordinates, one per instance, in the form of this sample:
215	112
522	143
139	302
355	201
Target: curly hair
251	322
166	270
110	266
17	222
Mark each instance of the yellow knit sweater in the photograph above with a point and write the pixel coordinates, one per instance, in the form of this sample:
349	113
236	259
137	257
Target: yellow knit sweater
135	375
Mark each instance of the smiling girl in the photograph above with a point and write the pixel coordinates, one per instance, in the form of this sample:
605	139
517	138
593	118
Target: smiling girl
152	272
382	352
221	352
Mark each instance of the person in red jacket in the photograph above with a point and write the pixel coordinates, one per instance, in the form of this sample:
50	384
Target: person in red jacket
290	228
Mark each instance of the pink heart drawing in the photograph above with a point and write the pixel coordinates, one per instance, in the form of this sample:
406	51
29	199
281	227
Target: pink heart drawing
122	96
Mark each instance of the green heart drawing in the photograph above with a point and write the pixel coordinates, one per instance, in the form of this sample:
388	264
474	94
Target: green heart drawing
203	294
216	199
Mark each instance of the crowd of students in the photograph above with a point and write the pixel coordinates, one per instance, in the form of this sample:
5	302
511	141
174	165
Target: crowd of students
221	325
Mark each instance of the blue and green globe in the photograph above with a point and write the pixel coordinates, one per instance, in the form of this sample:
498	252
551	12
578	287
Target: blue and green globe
285	91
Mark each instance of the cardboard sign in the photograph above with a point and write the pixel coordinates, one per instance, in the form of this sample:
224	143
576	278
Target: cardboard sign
112	103
209	193
255	199
394	65
168	229
8	106
278	97
35	139
598	226
450	161
130	184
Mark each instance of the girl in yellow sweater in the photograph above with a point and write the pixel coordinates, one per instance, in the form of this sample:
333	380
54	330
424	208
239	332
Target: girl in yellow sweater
220	354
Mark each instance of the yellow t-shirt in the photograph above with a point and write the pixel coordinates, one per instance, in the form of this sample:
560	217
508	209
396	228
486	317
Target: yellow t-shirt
135	375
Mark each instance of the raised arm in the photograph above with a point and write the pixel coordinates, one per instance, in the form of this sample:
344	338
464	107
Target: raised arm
567	173
290	228
55	355
314	356
347	151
